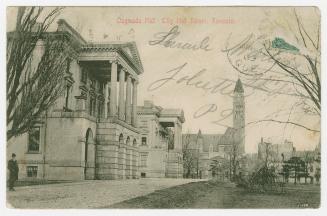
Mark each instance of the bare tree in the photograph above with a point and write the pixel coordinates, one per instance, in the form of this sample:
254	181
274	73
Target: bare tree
234	155
290	61
218	168
306	76
34	77
308	160
234	160
190	155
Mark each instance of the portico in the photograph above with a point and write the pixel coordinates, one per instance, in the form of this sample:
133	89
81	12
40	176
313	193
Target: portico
116	83
174	118
113	70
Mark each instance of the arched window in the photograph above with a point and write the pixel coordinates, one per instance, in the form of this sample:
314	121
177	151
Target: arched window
128	140
88	139
67	97
134	143
121	139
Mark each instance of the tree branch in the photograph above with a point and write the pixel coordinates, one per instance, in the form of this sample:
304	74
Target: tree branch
283	122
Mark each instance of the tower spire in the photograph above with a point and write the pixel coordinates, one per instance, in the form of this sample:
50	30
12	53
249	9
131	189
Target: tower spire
239	86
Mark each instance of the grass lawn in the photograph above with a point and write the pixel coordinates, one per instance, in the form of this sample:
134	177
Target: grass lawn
213	194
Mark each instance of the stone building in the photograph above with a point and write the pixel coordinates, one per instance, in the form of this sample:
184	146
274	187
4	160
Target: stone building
207	147
161	141
91	131
275	151
275	154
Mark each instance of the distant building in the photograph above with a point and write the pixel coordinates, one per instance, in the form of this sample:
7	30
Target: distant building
276	152
312	161
207	147
161	141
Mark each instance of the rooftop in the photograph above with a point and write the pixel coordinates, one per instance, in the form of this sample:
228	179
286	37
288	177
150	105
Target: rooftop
150	108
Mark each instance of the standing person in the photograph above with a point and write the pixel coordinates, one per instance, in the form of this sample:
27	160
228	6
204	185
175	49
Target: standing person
13	171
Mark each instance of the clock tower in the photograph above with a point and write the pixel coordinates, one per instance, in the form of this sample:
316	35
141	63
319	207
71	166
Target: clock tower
239	117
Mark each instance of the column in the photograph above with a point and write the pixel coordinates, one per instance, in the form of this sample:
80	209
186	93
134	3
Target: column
105	105
134	108
113	89
121	98
128	99
177	135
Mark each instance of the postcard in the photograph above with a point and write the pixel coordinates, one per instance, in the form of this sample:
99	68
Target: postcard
163	107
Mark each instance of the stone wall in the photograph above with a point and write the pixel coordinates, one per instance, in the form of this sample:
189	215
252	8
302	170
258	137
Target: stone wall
63	149
116	159
175	164
156	162
66	146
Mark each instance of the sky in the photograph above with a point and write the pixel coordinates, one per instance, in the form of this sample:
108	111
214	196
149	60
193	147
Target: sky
216	28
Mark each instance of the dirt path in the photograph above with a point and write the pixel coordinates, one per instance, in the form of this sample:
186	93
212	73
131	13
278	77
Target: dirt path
86	194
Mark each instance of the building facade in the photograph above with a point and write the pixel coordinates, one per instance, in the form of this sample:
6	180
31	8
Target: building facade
161	143
275	152
209	147
91	131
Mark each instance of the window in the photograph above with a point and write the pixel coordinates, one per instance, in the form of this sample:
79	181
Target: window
121	139
144	158
93	83
68	65
134	142
67	97
143	175
143	140
171	143
216	148
100	108
92	107
34	140
31	171
84	75
102	87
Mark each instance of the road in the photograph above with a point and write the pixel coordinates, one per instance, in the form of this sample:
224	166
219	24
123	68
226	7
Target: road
86	194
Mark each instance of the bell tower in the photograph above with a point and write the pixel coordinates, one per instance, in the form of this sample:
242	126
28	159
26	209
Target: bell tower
239	116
